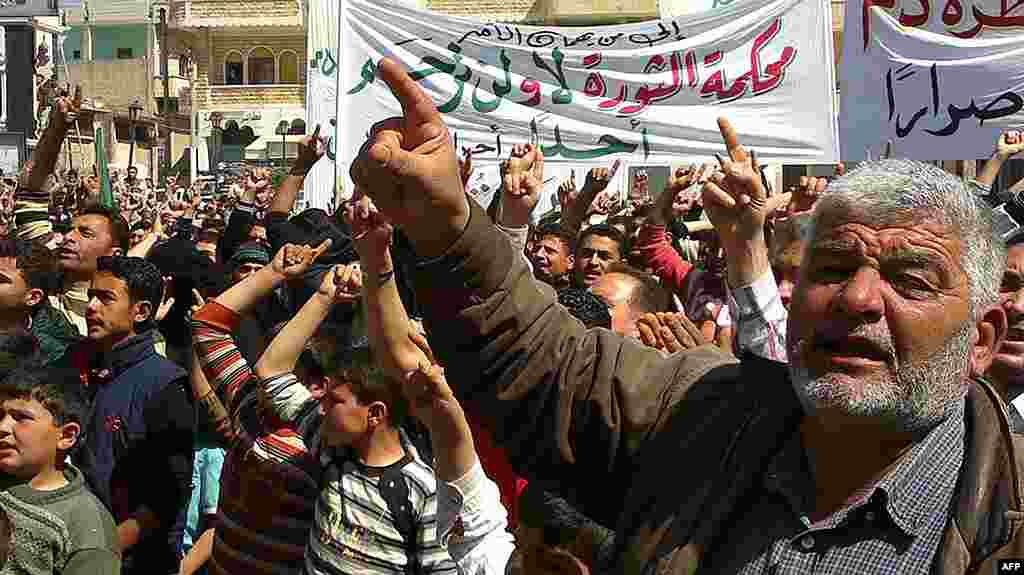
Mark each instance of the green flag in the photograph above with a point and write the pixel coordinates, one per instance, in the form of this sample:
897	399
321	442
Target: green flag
106	193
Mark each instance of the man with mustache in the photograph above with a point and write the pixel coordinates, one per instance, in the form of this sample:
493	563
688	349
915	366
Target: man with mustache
877	450
1007	371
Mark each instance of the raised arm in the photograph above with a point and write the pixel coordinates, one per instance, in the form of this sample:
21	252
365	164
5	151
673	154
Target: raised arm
288	399
310	151
575	212
32	198
565	402
1008	145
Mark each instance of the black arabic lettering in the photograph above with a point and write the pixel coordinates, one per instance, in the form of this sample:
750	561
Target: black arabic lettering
542	38
988	112
643	38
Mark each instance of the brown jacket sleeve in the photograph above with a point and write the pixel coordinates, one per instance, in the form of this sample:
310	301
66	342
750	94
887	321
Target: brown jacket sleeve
568	404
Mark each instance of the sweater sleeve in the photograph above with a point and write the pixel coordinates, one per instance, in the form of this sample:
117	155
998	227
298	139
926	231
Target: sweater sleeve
225	368
656	247
32	214
93	562
170	428
294	405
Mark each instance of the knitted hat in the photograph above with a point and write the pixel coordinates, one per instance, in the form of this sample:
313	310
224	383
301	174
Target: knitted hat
250	253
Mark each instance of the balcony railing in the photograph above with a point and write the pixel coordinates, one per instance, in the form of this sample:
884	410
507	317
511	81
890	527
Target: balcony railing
228	97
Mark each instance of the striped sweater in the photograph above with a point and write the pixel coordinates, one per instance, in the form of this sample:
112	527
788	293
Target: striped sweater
269	480
32	221
354	531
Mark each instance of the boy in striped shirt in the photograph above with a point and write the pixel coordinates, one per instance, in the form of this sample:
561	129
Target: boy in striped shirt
376	512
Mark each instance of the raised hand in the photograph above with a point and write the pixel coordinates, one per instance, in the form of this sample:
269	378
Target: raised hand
197	301
1010	144
804	195
342	284
597	180
466	165
523	181
408	166
67	108
166	303
734	197
311	149
568	192
677	198
291	261
371	232
430	398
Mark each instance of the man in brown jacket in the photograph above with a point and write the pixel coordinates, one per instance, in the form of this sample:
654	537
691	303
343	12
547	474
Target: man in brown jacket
877	450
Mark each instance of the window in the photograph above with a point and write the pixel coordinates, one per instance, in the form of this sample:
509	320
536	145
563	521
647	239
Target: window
261	66
288	68
124	53
76	55
233	69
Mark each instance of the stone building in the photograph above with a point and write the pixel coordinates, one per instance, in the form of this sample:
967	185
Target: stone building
248	77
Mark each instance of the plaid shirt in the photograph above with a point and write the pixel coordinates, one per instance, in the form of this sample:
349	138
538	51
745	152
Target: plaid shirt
894	526
760	319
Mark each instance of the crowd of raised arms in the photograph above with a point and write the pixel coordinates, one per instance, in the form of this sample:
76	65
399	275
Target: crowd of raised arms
721	379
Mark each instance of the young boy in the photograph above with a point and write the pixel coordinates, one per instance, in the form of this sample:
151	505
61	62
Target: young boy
377	505
56	524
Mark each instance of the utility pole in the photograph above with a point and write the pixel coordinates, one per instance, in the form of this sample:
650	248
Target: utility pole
166	112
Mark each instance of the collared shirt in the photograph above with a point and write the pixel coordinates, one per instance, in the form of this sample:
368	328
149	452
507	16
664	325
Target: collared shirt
472	524
760	319
894	526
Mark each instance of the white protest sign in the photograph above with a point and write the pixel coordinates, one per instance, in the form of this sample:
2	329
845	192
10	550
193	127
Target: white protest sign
940	79
647	92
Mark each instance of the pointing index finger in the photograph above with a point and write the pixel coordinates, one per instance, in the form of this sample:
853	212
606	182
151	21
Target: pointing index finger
417	107
323	247
728	134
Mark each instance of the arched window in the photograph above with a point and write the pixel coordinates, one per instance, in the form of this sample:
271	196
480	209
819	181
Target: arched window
288	68
261	66
233	69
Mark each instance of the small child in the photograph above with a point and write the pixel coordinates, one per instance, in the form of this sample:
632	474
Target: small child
56	524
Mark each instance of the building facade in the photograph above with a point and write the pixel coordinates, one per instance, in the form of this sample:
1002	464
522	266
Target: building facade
248	65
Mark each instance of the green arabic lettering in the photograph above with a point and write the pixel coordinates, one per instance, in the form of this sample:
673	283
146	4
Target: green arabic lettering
368	73
501	89
563	95
612	145
438	65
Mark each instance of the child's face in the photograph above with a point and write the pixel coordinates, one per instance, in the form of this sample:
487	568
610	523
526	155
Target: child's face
345	419
30	437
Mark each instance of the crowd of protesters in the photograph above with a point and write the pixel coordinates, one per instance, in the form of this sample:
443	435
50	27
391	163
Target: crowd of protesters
714	377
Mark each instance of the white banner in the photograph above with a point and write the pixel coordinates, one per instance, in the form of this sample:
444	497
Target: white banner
321	103
940	79
647	92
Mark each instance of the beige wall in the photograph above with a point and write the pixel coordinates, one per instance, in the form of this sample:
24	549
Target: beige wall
115	83
263	9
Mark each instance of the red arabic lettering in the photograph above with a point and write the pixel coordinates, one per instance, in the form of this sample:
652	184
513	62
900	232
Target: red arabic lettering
595	86
718	86
530	86
774	71
615	102
646	95
913	20
692	79
952	13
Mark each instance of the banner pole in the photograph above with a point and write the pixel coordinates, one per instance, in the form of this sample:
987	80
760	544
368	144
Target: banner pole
340	129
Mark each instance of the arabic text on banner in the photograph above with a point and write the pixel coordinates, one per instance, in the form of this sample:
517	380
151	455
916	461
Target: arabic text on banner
647	92
940	78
